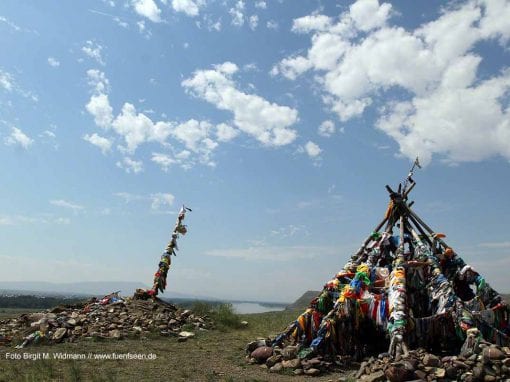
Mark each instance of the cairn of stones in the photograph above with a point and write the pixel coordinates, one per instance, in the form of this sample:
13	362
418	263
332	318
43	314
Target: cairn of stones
404	307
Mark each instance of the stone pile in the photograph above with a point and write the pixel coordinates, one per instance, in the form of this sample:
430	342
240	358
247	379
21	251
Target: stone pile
293	358
491	363
125	318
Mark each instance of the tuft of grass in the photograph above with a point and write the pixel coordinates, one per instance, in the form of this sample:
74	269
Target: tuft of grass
75	372
225	317
201	308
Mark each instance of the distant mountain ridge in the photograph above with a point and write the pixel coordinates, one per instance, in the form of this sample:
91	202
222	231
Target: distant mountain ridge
92	288
88	288
302	302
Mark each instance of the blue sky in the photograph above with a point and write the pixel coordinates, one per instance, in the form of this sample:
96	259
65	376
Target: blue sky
277	122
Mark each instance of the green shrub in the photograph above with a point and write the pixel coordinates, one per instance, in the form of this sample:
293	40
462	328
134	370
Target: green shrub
225	317
201	308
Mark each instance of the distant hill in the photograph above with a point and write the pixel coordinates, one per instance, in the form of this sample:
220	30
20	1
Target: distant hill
302	302
93	288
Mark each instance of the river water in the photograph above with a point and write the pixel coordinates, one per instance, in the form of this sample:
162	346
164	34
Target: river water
253	307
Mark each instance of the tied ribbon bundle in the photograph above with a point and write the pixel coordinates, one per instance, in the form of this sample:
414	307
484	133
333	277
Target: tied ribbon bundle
160	277
411	289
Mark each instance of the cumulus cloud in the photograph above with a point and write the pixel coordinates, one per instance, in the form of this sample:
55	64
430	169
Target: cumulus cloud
137	128
6	80
52	61
161	200
130	165
103	143
439	104
18	138
163	160
148	9
267	122
189	7
93	50
327	128
312	149
253	22
225	133
237	13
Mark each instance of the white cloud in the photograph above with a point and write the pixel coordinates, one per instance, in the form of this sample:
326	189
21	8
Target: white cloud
6	80
130	165
441	105
312	149
327	128
65	204
10	24
163	160
103	143
128	197
237	13
93	50
261	4
161	200
148	9
18	138
137	128
8	83
98	81
225	132
52	61
99	107
267	122
272	24
311	23
368	14
189	7
253	22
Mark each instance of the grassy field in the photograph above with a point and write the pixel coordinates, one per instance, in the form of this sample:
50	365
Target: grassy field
216	355
13	312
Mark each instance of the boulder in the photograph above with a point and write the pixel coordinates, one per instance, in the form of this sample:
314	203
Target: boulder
291	363
312	372
261	354
273	360
431	360
59	334
276	368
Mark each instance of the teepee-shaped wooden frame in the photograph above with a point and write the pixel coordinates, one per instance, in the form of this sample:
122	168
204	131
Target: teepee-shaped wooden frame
400	291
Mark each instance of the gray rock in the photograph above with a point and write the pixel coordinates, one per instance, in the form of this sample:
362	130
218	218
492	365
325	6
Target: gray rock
289	352
276	368
186	334
431	360
273	360
492	353
116	333
291	363
59	334
312	372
